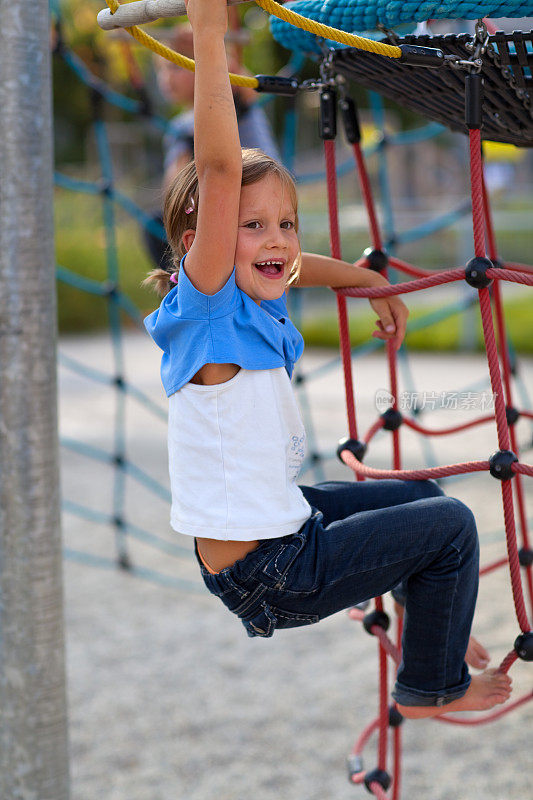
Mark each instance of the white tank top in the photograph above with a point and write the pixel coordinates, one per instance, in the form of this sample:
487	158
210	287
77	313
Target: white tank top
235	451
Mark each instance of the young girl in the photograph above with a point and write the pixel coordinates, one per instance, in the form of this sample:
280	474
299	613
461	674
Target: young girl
279	555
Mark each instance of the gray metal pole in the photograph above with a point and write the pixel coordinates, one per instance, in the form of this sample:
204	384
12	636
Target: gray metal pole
33	726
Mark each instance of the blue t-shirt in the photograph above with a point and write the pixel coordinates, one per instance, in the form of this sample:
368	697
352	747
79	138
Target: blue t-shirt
193	329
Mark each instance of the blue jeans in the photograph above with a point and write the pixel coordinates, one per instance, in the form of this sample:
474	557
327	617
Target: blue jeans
361	540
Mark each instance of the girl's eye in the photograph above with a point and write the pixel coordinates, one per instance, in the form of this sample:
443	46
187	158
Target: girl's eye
287	224
252	225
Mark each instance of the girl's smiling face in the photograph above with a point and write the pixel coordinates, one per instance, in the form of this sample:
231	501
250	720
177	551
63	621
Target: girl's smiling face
267	242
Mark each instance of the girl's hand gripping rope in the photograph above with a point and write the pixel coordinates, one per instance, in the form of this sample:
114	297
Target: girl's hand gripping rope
207	14
392	320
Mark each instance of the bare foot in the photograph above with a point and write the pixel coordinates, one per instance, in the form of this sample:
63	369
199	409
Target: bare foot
487	690
476	655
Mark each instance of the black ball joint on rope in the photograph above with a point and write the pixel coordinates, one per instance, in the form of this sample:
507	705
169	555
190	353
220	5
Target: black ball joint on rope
378	260
525	557
395	718
476	272
379	618
377	776
512	414
356	448
523	646
392	419
501	464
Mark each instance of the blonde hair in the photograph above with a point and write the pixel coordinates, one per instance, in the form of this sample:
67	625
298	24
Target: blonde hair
180	211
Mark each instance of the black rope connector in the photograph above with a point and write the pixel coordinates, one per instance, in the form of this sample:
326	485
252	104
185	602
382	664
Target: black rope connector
354	765
276	84
119	461
377	776
376	617
357	448
395	718
316	458
393	419
525	556
523	646
378	260
96	99
350	120
110	289
299	379
118	522
421	56
124	562
145	105
105	187
500	464
475	272
119	382
473	101
512	414
328	114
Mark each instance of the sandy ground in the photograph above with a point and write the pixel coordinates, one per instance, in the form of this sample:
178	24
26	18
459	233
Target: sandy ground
170	700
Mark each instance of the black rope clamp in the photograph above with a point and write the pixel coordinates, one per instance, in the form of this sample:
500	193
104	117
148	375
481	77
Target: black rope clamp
419	56
473	101
354	764
356	448
328	114
523	646
350	119
377	776
276	84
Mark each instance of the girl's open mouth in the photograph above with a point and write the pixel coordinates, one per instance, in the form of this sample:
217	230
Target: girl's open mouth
273	268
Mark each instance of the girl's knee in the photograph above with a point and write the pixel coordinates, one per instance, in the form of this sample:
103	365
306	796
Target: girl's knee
430	488
462	517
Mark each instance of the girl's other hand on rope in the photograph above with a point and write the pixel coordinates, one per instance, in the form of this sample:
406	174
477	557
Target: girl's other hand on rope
392	320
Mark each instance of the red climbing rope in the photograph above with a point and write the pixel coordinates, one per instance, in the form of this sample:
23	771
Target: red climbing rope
504	417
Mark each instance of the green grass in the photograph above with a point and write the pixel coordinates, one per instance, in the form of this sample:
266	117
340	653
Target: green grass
81	247
442	336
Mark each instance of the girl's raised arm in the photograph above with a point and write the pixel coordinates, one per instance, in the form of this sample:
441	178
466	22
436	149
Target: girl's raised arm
217	151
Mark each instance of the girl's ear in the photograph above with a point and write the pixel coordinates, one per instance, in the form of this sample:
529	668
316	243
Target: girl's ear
188	238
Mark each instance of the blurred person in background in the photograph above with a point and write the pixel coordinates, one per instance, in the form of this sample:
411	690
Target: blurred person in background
177	87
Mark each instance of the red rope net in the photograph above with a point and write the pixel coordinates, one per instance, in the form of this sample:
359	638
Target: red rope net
500	377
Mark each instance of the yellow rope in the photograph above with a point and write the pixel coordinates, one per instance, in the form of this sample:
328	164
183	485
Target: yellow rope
278	11
326	32
171	55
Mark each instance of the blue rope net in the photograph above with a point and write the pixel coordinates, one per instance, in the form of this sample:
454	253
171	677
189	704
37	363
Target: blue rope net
120	306
355	16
